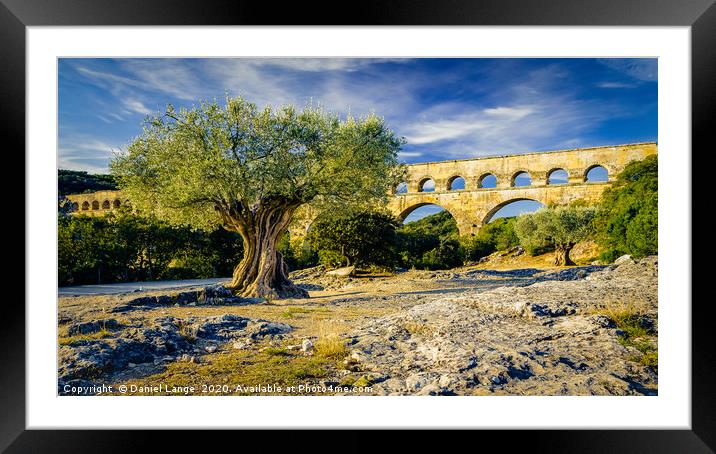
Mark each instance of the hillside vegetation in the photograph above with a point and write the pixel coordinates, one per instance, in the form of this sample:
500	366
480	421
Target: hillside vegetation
77	182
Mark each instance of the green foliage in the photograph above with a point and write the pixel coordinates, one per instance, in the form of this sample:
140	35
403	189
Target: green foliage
498	235
438	225
557	227
297	254
627	222
430	243
210	164
76	182
447	255
125	247
360	238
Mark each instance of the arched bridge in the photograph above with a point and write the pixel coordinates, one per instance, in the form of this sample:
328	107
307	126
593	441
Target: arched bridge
95	203
474	204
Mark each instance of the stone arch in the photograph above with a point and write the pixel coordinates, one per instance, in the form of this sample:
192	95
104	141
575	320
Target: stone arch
517	175
488	217
116	204
423	181
585	177
552	172
95	205
461	223
106	205
455	180
483	177
85	206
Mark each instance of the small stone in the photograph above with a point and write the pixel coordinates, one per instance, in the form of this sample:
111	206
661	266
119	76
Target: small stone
307	345
239	345
131	365
210	348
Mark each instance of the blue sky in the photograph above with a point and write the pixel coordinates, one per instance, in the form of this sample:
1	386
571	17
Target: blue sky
445	108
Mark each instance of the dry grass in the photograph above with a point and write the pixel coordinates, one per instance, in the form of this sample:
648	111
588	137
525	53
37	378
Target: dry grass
330	344
418	327
628	316
65	339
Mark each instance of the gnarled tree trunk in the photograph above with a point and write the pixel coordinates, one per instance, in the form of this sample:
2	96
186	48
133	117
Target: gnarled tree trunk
262	272
561	255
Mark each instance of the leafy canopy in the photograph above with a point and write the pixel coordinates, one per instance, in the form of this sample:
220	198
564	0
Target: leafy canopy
192	164
560	227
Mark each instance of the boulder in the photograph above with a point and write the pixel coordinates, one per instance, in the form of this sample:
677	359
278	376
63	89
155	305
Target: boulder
347	271
92	327
626	258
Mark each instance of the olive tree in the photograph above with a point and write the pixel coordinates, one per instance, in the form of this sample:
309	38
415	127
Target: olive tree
561	227
250	169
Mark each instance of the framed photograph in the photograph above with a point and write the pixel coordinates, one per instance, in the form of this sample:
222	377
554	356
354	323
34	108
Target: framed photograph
423	216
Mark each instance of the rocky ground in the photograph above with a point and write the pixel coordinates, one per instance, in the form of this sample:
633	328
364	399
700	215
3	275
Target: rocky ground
588	330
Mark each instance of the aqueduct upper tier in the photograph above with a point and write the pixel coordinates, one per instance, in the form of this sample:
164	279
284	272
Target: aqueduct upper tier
474	205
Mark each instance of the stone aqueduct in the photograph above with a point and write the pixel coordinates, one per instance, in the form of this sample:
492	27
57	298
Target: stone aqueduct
474	205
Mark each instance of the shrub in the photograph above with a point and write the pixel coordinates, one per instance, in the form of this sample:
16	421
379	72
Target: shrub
627	222
498	235
360	238
447	255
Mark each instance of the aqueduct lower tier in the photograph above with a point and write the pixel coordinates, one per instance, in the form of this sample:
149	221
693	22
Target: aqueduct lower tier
475	204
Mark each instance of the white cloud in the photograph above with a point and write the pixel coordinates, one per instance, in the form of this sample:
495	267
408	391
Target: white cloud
536	114
644	69
615	85
85	153
136	106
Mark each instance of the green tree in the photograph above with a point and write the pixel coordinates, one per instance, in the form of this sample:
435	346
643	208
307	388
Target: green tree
358	238
250	170
628	221
560	227
498	235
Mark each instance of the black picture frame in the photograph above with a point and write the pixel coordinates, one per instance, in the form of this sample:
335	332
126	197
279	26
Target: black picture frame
700	15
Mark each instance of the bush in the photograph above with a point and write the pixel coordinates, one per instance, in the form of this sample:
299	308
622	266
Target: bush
447	255
498	235
627	222
125	247
297	254
361	238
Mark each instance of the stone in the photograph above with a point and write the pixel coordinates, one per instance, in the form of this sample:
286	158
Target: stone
626	258
416	381
211	348
307	346
347	271
92	326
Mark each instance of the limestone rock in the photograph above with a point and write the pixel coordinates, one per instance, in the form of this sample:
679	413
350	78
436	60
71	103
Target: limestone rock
347	271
